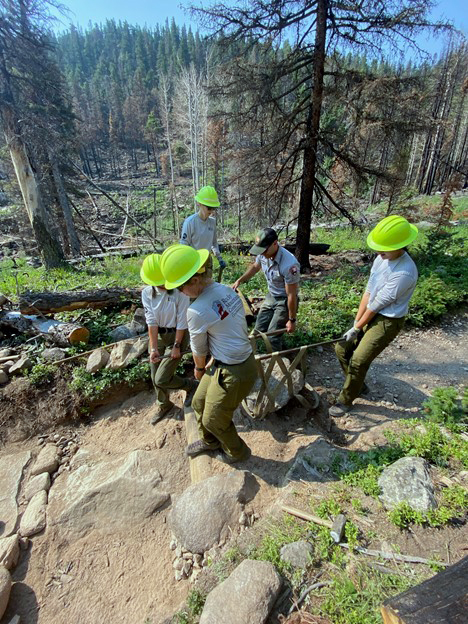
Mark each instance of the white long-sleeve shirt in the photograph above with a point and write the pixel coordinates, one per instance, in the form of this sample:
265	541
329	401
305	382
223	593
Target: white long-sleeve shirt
200	234
391	285
167	309
216	322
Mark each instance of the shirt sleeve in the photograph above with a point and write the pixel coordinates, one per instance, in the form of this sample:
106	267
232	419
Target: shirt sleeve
185	234
370	281
149	312
395	287
292	275
198	333
258	261
182	306
215	247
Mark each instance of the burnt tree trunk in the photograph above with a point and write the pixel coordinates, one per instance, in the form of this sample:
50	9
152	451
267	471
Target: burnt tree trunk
311	142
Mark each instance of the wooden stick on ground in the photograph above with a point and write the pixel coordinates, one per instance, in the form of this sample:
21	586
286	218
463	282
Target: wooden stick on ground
306	516
393	556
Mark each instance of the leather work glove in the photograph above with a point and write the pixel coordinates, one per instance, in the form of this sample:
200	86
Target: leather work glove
351	334
222	264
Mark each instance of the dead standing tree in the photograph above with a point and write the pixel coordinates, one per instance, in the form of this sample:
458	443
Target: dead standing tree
317	27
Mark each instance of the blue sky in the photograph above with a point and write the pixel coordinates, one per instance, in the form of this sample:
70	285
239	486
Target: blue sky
152	12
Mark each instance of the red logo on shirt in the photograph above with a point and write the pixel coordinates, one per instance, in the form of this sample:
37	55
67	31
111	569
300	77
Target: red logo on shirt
220	310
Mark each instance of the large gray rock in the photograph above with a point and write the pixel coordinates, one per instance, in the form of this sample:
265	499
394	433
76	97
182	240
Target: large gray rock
202	515
122	332
47	460
118	355
11	472
139	347
5	588
107	495
9	551
36	484
97	360
298	554
283	396
34	518
53	354
408	479
245	597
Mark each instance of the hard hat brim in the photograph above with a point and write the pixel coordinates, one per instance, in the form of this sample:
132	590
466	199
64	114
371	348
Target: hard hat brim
202	258
206	202
377	247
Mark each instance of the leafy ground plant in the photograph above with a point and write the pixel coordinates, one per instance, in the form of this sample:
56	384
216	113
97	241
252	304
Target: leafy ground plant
93	386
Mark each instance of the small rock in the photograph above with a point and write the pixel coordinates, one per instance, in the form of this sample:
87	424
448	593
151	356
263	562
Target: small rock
122	332
97	360
178	575
298	554
34	518
5	588
187	568
178	551
47	460
24	363
197	559
54	354
195	574
243	518
187	556
6	366
3	377
36	484
178	564
9	551
5	352
173	544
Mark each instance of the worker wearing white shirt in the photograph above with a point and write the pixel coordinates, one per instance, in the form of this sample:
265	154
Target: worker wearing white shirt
166	317
217	327
199	230
383	307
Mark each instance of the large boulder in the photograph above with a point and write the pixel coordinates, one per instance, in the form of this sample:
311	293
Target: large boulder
283	396
202	515
139	347
245	597
408	479
36	484
118	355
54	354
11	472
21	365
107	495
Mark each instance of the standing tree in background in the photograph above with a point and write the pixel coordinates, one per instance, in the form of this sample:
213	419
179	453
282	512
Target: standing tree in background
291	82
36	119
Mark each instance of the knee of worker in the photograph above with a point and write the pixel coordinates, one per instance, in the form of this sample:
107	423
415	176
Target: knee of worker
358	365
217	421
198	403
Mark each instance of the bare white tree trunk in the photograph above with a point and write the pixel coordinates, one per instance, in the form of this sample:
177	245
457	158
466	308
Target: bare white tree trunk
165	115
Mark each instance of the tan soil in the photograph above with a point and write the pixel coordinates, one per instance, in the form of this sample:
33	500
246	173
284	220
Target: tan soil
127	577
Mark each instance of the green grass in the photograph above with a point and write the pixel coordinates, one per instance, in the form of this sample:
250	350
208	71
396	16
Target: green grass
93	386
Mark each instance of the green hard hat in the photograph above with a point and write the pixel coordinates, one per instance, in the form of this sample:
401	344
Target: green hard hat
207	196
392	233
180	262
150	271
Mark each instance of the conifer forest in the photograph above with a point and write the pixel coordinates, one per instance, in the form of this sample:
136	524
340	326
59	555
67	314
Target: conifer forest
294	111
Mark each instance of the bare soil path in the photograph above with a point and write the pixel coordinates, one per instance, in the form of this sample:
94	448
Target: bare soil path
127	577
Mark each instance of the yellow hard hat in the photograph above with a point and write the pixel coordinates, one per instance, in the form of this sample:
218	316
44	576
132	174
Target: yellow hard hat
392	233
150	271
207	196
180	262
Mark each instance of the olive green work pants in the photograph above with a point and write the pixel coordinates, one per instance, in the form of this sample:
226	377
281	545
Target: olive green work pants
163	373
273	315
221	390
356	357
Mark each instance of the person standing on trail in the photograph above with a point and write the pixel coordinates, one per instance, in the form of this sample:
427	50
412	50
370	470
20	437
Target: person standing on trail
166	317
217	326
199	230
383	307
283	274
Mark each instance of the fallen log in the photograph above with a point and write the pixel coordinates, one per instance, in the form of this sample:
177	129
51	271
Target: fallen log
442	598
51	302
61	334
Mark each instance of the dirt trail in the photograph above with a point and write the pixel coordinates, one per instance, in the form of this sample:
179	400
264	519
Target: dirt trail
127	577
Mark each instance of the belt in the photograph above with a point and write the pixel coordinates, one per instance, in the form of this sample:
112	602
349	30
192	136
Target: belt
166	330
219	363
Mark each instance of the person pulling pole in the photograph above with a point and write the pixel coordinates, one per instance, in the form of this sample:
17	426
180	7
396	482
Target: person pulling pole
217	326
383	307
